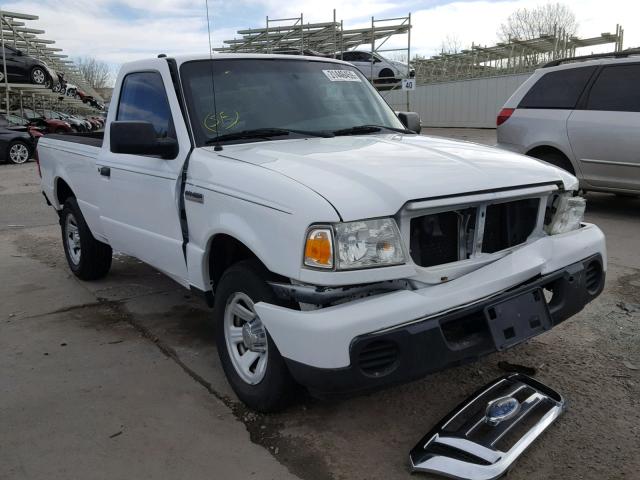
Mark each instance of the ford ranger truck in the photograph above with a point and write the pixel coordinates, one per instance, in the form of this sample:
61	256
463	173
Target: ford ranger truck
338	249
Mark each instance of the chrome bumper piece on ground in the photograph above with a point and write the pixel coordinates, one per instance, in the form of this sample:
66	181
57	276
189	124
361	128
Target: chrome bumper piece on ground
483	436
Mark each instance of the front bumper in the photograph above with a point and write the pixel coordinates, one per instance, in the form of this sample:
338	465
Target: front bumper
323	338
410	352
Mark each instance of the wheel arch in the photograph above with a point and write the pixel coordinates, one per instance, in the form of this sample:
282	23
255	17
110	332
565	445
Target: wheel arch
224	250
62	191
544	149
386	72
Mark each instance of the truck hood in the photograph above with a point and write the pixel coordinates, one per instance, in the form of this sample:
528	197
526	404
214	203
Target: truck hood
375	175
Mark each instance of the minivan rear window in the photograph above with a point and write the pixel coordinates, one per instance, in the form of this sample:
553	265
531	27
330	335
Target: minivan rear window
560	89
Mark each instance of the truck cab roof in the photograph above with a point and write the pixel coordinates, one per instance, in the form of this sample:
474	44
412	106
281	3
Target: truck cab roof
180	59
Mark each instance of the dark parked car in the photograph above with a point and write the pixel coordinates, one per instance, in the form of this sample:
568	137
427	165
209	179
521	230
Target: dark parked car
16	146
15	120
22	68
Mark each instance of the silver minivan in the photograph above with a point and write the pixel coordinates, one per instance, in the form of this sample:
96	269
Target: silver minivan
582	116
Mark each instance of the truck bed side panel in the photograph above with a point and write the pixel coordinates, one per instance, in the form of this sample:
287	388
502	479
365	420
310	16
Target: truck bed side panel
75	164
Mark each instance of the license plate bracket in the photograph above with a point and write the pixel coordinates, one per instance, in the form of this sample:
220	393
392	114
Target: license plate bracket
518	318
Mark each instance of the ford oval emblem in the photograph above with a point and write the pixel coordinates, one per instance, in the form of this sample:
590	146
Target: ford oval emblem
501	409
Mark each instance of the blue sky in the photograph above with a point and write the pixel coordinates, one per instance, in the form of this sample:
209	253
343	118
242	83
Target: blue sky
117	31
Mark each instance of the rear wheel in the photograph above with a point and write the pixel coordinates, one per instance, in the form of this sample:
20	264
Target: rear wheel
386	73
250	359
18	152
88	258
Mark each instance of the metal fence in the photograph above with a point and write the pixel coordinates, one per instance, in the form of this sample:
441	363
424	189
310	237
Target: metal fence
463	103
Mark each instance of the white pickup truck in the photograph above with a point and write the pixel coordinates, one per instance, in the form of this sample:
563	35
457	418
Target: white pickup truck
339	249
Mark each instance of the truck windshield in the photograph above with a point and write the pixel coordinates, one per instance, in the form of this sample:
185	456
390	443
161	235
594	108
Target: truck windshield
290	94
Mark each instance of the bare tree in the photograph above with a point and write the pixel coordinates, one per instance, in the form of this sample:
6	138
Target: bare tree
98	74
451	44
528	23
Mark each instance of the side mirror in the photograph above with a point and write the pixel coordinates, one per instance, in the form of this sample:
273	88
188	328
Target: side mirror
139	138
19	53
411	121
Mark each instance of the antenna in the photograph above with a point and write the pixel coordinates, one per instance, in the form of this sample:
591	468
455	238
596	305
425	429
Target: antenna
217	147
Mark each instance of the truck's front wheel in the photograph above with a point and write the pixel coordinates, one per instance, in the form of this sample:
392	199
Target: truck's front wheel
88	258
250	359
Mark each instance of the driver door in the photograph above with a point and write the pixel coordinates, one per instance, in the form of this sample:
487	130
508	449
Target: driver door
139	194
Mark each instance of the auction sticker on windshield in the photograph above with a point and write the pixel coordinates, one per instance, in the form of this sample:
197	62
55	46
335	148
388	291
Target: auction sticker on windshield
341	75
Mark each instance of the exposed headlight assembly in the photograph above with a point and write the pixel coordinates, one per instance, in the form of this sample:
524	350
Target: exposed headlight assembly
564	213
361	244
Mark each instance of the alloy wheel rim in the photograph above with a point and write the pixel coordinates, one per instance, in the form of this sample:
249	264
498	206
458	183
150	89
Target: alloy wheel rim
72	237
246	339
19	153
38	76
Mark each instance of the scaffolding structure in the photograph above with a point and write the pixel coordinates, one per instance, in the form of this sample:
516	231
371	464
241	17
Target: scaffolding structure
326	38
512	57
330	39
15	33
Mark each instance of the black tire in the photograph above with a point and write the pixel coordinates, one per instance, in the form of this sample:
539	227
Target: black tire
17	157
277	388
94	260
39	76
386	73
556	159
60	131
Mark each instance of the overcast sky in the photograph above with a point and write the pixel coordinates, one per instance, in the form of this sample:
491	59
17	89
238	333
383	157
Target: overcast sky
118	31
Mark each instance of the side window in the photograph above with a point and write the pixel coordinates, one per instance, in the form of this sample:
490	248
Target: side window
617	89
144	99
348	56
560	89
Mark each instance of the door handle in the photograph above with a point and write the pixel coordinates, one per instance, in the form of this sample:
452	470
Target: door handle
105	171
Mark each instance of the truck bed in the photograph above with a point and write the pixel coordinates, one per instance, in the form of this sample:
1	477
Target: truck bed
93	139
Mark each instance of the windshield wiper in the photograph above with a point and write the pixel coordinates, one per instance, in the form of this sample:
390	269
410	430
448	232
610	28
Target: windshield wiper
265	133
360	129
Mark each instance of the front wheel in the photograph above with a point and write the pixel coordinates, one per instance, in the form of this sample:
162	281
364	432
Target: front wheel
18	152
250	359
88	258
39	76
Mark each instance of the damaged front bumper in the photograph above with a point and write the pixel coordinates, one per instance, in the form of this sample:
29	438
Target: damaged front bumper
402	335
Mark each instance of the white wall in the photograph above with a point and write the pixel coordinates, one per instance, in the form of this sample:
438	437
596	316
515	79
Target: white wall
462	103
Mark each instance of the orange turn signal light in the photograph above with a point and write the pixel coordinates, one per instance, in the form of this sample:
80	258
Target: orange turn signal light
318	251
